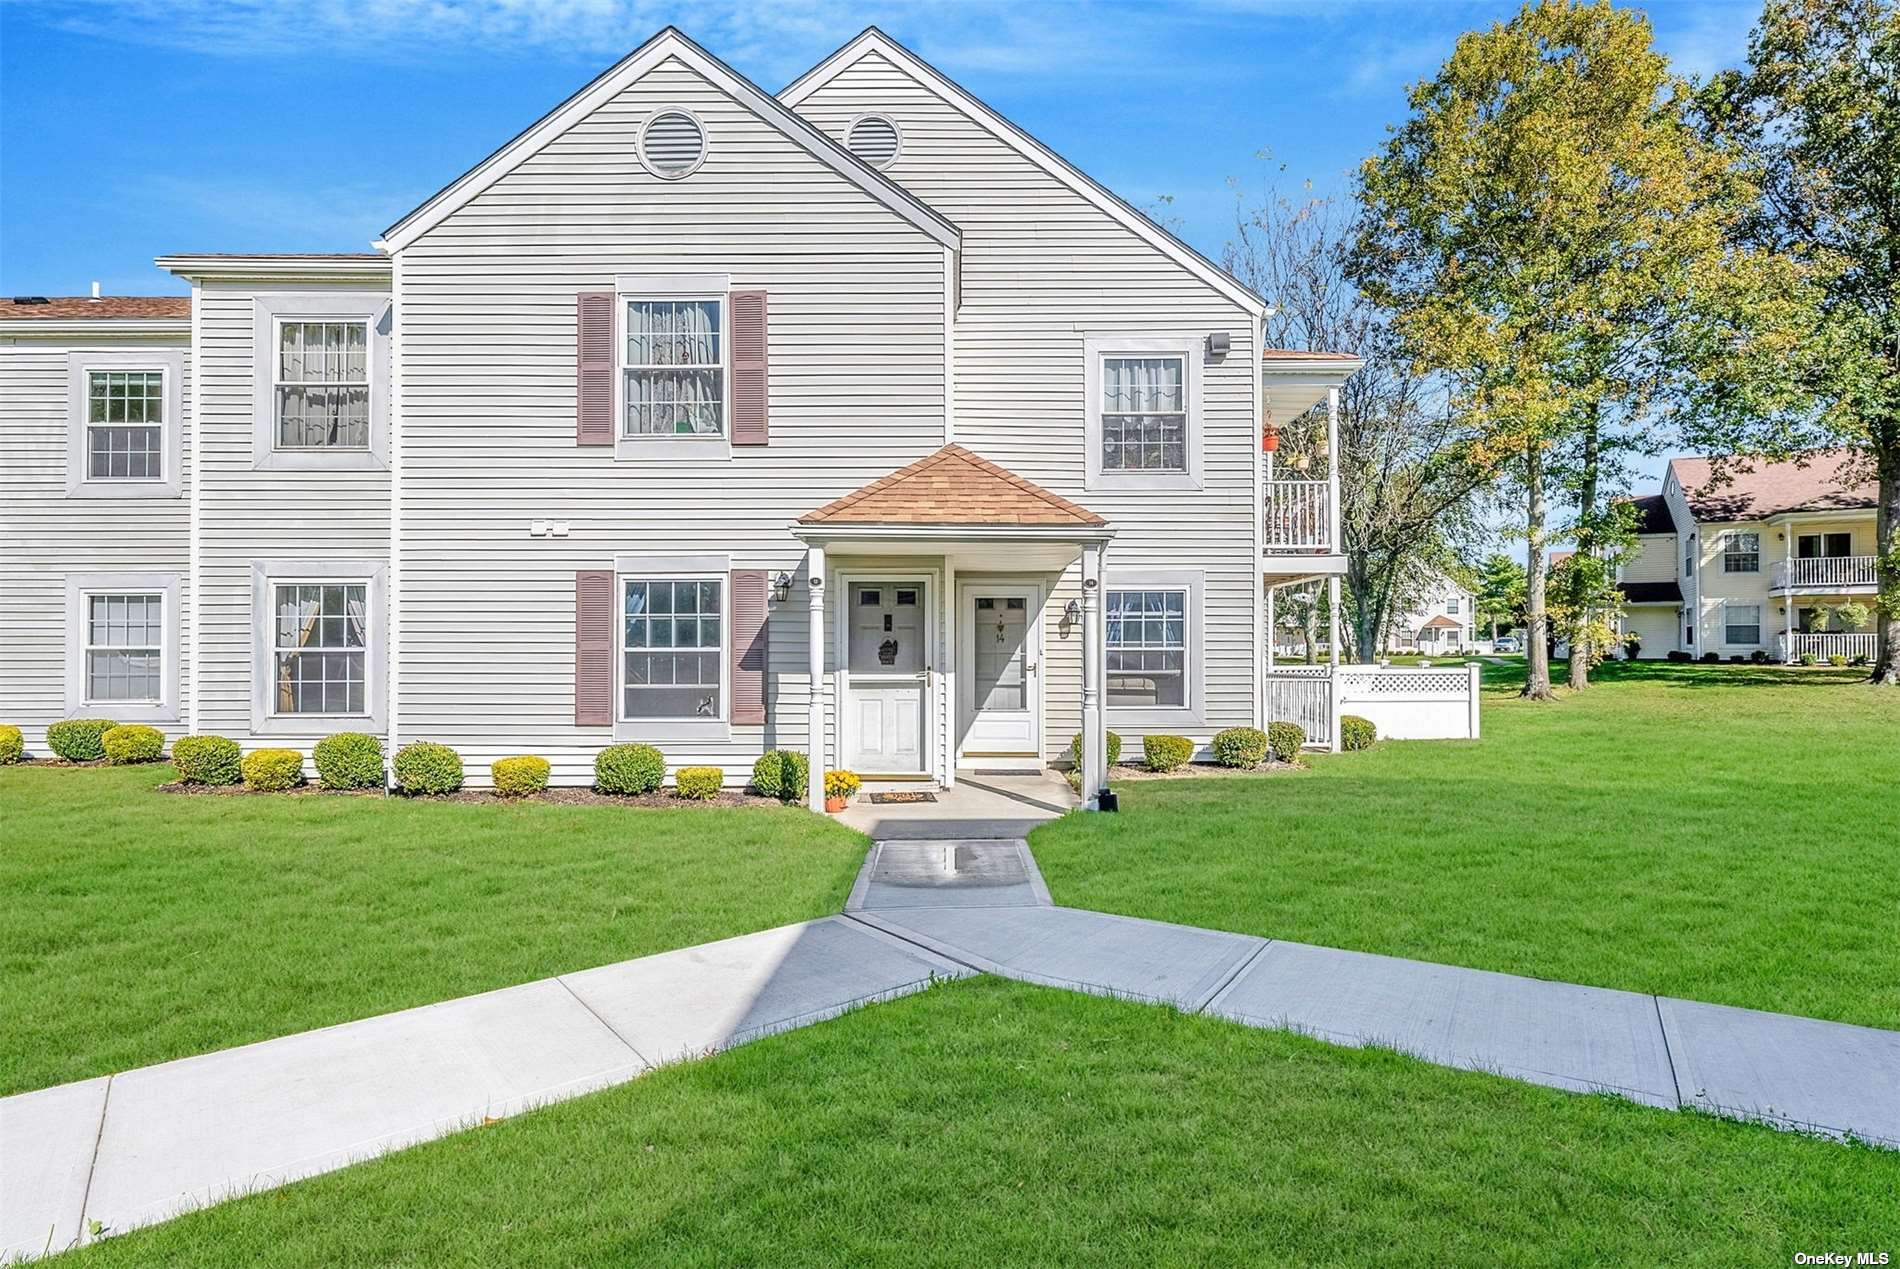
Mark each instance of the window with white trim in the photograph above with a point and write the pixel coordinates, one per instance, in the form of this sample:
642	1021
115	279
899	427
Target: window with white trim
322	384
1741	552
1451	606
125	425
123	642
672	648
320	647
1147	640
1741	623
1144	413
675	369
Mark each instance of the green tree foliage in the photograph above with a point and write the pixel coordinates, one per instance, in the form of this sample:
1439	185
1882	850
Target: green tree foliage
1500	593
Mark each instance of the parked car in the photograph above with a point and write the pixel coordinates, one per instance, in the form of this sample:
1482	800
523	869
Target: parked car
1507	643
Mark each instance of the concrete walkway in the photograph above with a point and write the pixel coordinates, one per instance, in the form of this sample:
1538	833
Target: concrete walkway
984	906
132	1149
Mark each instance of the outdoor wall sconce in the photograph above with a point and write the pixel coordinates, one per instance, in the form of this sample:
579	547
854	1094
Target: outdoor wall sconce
1072	611
781	587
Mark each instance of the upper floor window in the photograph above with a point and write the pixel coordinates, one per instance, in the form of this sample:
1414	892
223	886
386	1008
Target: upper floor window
322	382
1144	414
672	632
125	425
1451	606
1741	552
675	368
1824	546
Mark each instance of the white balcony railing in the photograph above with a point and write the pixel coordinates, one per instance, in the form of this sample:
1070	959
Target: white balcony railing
1297	516
1836	573
1822	646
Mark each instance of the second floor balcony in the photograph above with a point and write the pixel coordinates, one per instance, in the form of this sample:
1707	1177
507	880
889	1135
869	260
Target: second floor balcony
1847	574
1297	517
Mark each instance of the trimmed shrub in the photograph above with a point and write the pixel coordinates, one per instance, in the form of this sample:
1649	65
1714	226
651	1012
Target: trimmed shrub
349	760
781	774
133	742
1286	740
521	776
1738	659
629	769
1758	657
207	760
1356	732
1113	741
1679	656
1711	658
425	767
840	783
1166	753
1837	660
702	784
79	739
1807	658
272	770
1240	747
12	745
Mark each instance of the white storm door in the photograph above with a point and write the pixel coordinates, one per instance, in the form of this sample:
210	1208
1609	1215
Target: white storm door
999	664
888	677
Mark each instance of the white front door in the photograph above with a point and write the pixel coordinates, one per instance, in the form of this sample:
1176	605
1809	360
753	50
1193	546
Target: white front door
999	714
888	683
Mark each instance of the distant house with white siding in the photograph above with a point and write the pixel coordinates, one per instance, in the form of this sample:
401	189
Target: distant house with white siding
852	420
1437	617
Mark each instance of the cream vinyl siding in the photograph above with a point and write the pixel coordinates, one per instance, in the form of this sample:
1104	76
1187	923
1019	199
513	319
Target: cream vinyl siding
1658	625
1042	271
1653	559
248	514
487	375
45	535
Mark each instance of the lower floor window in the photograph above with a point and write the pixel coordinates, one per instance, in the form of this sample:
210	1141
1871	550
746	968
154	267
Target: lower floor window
1147	648
321	647
672	633
124	647
1742	623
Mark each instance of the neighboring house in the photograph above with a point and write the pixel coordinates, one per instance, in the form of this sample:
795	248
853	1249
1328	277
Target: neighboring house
1757	559
851	420
1438	617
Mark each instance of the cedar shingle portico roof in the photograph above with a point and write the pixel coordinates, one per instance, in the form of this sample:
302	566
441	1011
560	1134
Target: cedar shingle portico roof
953	487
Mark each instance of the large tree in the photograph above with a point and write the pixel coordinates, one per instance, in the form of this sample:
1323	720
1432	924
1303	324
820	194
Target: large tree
1406	482
1816	116
1540	224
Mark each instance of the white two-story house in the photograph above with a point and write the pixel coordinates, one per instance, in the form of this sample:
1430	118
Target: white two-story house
851	420
1436	616
1742	558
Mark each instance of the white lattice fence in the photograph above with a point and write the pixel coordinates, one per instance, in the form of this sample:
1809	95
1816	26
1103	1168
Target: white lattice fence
1413	703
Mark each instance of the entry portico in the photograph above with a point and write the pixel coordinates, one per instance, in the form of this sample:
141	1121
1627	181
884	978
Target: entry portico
946	614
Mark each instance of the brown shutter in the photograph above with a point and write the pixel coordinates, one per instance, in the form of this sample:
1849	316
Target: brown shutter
748	368
594	647
594	389
749	643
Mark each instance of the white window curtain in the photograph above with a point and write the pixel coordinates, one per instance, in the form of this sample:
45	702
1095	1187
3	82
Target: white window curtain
676	382
1144	414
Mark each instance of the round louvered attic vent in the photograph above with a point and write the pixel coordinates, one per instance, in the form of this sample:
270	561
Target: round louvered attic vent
873	139
672	144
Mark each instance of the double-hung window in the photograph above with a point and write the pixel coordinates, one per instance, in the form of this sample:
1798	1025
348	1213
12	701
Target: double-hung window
1147	648
321	377
1741	552
1741	624
672	648
1824	546
124	647
125	424
320	647
675	372
1144	410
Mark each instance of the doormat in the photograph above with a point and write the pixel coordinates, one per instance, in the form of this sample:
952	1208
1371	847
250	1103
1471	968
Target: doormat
886	799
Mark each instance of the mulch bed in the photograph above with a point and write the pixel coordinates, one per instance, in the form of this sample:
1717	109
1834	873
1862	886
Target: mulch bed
560	796
60	762
1194	770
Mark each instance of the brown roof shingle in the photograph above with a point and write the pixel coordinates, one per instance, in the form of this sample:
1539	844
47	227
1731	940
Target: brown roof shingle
1826	480
953	487
79	307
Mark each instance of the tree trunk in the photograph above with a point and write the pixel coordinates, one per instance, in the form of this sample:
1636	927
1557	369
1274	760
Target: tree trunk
1586	540
1887	602
1309	631
1536	646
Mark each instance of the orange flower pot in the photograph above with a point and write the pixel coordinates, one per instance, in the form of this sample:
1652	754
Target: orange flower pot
834	805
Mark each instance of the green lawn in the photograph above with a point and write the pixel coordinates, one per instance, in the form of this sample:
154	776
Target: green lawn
987	1122
137	926
1723	833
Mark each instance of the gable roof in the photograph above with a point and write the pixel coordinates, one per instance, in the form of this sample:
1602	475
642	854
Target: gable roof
1825	480
1652	514
871	39
953	487
1443	623
669	42
67	308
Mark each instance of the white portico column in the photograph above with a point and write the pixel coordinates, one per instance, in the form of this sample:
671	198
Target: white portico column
1332	650
815	716
1094	735
1787	599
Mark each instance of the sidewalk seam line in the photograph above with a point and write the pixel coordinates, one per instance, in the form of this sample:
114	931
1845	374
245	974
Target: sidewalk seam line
958	960
1232	978
1669	1054
92	1166
611	1029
